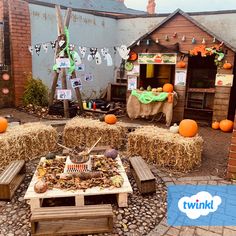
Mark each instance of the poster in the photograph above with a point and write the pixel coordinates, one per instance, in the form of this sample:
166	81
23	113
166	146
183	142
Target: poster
88	77
157	58
135	70
59	84
180	77
132	82
63	62
64	94
80	67
224	80
76	83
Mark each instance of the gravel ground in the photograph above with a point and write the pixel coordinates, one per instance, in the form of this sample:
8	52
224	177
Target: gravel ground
139	218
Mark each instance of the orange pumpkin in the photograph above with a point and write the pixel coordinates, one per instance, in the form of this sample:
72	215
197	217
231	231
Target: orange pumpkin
110	119
181	64
188	128
168	88
227	65
3	124
215	125
226	125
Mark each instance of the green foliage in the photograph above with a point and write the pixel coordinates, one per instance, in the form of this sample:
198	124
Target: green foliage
36	92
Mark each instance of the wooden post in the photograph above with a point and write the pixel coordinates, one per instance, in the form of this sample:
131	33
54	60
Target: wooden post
64	86
53	88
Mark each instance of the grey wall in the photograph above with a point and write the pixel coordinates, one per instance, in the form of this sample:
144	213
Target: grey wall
86	30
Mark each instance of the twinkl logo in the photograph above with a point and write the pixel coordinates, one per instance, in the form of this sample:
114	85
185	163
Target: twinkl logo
198	205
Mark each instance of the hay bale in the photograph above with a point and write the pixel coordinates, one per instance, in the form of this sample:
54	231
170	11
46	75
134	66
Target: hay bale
25	142
165	148
81	132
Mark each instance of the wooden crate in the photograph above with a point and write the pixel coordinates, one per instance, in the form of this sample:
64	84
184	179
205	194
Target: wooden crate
72	220
143	176
36	200
11	178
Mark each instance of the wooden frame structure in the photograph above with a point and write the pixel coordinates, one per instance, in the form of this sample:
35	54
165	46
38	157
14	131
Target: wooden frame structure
61	25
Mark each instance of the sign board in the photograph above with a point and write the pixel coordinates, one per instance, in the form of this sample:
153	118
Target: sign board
157	58
132	82
224	80
63	62
76	83
180	77
64	94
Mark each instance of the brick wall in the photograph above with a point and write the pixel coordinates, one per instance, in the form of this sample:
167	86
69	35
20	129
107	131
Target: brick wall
20	38
231	171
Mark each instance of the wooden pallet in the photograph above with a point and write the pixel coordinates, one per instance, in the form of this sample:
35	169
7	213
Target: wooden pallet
143	176
72	220
11	178
36	200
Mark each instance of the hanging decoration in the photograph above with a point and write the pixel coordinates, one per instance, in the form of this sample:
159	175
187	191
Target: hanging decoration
167	38
193	40
37	48
45	47
157	40
30	48
53	44
138	43
107	57
91	56
203	41
123	51
214	40
133	56
83	51
174	35
148	42
98	58
183	38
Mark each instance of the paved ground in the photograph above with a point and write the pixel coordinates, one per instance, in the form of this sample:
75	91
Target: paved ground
163	229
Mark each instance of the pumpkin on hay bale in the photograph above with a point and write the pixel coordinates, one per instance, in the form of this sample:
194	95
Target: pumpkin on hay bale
26	142
82	132
166	149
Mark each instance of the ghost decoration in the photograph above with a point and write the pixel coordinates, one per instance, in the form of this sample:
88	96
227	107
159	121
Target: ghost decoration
107	57
53	44
37	48
30	48
123	51
76	58
98	58
92	54
83	51
45	47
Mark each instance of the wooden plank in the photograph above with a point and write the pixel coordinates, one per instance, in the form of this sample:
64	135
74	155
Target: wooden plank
122	199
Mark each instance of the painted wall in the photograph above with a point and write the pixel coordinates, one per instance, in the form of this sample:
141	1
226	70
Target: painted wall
86	30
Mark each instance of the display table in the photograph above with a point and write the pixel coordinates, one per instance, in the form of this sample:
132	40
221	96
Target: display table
136	109
36	199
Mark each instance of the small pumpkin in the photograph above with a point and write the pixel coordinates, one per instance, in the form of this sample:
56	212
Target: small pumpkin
111	153
227	65
181	64
133	56
154	90
110	119
40	186
174	129
3	124
159	89
188	128
168	88
215	125
226	125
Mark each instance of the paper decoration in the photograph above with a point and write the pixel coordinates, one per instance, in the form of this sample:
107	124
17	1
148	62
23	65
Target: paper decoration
132	82
221	44
203	41
138	43
174	35
64	94
183	38
107	57
83	51
98	58
167	38
135	70
148	42
157	40
45	47
193	40
224	80
80	67
157	58
59	84
76	83
37	48
123	51
76	58
30	48
92	53
61	43
180	77
88	77
63	62
53	44
214	40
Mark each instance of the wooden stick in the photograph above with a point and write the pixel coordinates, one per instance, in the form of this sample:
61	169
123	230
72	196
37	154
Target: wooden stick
94	145
53	88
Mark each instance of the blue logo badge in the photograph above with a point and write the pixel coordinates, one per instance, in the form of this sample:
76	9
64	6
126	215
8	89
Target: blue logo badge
205	205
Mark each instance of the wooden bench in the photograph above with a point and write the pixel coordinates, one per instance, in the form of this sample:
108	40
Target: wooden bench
72	220
11	178
143	176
